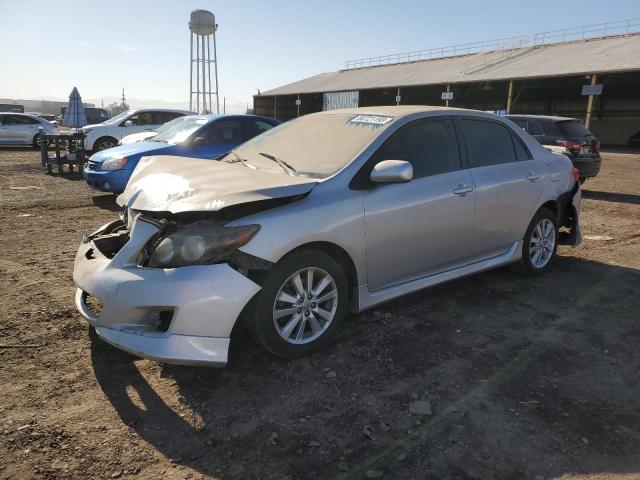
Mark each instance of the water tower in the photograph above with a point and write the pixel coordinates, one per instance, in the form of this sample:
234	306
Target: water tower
203	32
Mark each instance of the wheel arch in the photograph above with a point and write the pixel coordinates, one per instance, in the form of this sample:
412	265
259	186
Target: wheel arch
551	205
103	137
340	255
335	251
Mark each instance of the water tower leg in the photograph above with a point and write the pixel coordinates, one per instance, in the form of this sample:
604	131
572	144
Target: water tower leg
191	76
204	69
215	64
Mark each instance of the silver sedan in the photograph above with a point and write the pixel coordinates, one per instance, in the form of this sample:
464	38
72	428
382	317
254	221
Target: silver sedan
23	129
329	213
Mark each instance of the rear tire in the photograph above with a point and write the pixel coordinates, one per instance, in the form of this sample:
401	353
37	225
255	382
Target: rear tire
292	317
36	142
539	245
582	180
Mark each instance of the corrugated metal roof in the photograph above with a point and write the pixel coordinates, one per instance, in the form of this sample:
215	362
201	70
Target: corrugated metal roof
611	54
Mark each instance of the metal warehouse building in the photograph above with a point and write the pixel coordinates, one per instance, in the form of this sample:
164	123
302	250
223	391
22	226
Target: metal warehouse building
591	73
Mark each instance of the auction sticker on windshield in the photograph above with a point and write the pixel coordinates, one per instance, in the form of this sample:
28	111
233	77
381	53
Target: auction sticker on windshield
371	119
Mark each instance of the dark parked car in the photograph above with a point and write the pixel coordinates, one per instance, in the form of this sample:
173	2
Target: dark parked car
566	132
634	140
94	114
11	107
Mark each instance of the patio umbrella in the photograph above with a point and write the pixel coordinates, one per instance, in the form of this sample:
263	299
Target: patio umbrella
74	116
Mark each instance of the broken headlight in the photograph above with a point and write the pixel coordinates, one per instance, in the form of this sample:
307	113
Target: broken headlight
197	245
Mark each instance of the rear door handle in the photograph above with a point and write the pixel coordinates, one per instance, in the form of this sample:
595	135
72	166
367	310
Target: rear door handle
532	177
462	190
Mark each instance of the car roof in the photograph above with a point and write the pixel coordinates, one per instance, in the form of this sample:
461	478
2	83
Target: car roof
215	116
554	118
390	110
21	114
173	110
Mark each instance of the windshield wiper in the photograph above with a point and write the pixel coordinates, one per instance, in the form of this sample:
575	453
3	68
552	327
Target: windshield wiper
243	160
285	166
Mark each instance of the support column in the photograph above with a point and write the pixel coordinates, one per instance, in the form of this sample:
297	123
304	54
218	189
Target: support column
590	103
398	97
275	107
298	104
446	102
509	97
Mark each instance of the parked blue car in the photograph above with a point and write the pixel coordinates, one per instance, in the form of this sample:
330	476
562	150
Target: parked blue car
199	136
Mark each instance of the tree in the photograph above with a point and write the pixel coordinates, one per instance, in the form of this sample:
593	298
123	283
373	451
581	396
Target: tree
115	108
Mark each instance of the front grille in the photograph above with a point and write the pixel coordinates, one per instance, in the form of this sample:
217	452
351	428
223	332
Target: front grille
91	165
93	303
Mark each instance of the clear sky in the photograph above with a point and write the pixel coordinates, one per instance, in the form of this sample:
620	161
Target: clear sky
48	47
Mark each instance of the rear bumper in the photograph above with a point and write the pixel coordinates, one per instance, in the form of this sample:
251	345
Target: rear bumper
200	303
588	165
569	204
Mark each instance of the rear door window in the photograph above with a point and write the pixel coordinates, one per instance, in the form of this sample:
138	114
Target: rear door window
488	143
254	128
159	118
522	153
572	128
223	132
18	120
431	146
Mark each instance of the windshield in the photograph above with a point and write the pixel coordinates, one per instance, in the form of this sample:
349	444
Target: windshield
118	118
573	128
180	131
316	145
166	126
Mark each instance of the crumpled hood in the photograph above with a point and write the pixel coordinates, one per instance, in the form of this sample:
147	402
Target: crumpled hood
179	184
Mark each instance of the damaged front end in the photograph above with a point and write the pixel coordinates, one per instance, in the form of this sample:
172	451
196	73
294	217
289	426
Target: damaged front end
168	280
167	286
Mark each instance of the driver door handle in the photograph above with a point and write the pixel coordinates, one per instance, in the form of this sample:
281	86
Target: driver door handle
462	190
532	177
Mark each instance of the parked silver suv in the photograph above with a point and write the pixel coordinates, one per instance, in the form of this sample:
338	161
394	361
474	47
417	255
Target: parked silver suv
331	212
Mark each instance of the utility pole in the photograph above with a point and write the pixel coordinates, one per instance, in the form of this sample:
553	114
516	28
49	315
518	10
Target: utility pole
590	103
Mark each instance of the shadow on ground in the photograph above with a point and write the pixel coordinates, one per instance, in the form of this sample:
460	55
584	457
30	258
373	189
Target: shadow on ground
106	202
630	198
518	388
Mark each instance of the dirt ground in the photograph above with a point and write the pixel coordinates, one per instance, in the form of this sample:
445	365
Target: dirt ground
524	378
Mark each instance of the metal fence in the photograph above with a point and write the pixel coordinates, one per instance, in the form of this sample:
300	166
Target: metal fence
621	27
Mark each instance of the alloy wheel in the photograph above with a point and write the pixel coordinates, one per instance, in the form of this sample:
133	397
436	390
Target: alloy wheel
542	243
305	305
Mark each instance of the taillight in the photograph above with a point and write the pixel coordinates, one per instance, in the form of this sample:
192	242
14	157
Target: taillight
576	174
573	147
595	147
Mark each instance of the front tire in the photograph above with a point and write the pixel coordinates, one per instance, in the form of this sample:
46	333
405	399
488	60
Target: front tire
104	143
303	302
540	244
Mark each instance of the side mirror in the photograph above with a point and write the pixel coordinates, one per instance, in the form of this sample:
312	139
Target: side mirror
198	141
128	123
392	171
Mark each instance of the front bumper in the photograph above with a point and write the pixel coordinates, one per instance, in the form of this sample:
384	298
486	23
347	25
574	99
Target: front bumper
113	181
203	302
